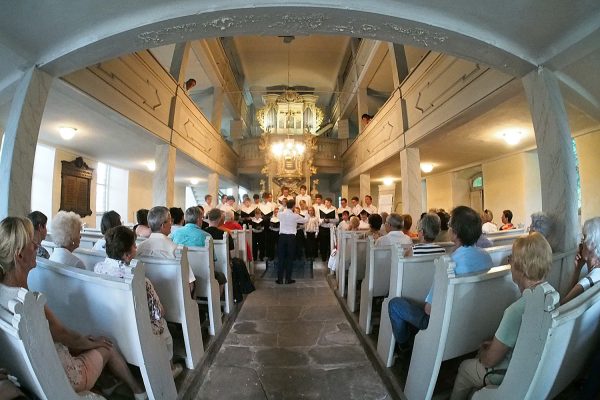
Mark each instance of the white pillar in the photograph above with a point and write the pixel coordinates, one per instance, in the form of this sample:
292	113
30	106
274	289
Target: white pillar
410	169
213	188
163	182
557	161
365	186
20	139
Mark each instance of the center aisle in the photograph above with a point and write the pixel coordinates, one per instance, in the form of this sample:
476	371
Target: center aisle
290	342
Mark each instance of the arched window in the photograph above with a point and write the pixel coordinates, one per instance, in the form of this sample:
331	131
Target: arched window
477	182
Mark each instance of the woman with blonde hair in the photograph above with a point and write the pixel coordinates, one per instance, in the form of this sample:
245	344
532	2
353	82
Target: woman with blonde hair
66	235
82	357
531	261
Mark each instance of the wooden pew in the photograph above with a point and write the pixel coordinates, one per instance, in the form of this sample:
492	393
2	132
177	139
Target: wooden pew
222	262
375	283
201	260
104	305
465	311
28	351
356	271
552	347
170	279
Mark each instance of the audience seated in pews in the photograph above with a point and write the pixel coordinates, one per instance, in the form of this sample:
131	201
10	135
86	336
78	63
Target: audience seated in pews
488	226
507	216
142	229
428	228
466	229
177	217
407	225
110	219
587	255
120	250
66	235
229	224
192	235
375	223
393	227
83	357
39	221
158	244
531	261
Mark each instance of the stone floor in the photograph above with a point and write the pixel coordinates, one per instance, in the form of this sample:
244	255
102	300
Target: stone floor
291	342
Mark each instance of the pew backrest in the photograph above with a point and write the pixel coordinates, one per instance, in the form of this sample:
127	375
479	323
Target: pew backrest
90	257
463	314
505	239
356	271
376	281
96	304
519	231
344	257
222	262
499	254
28	350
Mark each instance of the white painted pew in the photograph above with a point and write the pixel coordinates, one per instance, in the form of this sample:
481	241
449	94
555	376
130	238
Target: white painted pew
28	351
356	271
552	347
465	311
222	262
519	231
248	234
343	243
170	279
375	283
201	260
94	304
89	257
507	239
411	278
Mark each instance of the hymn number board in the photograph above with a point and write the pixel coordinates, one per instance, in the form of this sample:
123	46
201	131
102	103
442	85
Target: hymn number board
75	188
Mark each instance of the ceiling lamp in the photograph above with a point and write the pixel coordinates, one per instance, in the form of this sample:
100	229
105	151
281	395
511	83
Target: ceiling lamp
194	181
512	137
67	133
426	167
151	165
288	148
388	181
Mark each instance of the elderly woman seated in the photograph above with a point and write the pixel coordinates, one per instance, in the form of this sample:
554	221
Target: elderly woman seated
588	256
121	249
531	261
82	357
110	219
66	235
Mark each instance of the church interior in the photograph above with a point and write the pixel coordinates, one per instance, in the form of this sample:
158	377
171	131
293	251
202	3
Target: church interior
421	106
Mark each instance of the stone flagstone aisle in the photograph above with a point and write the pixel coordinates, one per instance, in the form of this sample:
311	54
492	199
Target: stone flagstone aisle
292	342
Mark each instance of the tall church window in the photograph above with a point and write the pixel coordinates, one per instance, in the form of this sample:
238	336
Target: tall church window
111	191
42	180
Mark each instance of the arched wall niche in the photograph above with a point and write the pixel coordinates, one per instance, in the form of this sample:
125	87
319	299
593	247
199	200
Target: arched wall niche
181	21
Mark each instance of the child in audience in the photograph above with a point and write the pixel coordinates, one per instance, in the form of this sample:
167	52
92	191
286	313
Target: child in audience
92	353
531	261
120	250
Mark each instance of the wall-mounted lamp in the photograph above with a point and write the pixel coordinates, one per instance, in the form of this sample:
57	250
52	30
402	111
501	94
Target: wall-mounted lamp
194	181
388	181
67	133
151	165
426	167
512	137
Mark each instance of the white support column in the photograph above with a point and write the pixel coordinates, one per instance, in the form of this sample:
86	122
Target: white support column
557	161
163	182
410	169
213	188
217	110
386	190
20	139
365	186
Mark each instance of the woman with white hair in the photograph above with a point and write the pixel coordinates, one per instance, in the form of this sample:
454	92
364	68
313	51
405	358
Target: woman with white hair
587	255
66	235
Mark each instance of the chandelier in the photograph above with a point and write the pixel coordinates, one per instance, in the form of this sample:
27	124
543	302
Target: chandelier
288	148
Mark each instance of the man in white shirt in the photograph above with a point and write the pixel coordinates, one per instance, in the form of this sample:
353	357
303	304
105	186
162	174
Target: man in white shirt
285	194
158	245
286	245
223	202
393	227
368	205
303	196
207	205
318	204
343	207
325	227
355	208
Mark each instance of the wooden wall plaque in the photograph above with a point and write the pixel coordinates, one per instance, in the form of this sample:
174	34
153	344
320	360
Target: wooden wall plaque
75	187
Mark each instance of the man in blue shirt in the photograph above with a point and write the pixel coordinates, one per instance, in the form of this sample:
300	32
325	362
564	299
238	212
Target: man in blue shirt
465	229
191	234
